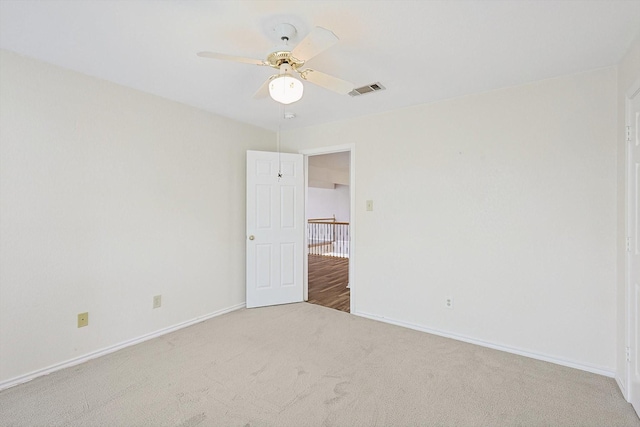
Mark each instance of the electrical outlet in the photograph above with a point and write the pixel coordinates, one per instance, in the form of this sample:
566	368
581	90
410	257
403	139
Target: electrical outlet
369	205
83	320
448	302
157	301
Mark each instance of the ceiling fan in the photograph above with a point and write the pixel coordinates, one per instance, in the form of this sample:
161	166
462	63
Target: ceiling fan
284	87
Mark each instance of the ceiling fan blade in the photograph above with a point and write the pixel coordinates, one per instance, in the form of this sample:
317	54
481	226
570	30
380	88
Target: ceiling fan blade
263	92
326	81
316	42
231	58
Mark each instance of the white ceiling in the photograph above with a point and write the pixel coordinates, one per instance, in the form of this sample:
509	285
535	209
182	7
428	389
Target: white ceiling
327	170
421	51
338	161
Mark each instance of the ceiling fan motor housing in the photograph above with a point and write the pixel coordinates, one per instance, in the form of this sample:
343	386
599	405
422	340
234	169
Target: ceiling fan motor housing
282	55
276	59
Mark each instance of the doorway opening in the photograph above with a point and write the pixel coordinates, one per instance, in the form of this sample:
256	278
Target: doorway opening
329	195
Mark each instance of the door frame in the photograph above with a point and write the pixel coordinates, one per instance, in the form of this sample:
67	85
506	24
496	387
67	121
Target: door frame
633	92
351	148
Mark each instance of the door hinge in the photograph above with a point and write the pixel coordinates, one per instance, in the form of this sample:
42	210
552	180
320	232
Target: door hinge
628	354
628	244
628	133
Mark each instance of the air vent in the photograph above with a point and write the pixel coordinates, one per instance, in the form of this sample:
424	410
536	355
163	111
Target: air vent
373	87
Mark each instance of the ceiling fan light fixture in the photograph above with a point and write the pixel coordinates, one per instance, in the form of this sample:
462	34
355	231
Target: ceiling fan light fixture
286	89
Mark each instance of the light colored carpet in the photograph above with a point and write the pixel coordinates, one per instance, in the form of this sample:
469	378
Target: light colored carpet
305	365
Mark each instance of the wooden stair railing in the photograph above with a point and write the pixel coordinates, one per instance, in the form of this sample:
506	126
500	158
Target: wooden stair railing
328	237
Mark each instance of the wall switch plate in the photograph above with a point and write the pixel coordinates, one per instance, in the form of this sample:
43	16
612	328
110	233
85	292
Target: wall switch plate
448	302
157	301
369	205
83	319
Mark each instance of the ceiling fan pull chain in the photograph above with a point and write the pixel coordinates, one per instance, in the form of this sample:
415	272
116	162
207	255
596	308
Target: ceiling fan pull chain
278	149
278	141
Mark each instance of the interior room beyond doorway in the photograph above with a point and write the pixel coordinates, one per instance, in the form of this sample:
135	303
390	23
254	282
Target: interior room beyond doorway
328	230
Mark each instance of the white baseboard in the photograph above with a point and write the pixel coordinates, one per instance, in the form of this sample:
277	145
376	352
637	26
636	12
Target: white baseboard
622	388
81	359
558	361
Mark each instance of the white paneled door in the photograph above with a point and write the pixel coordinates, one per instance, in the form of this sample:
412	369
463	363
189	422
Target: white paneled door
275	228
634	251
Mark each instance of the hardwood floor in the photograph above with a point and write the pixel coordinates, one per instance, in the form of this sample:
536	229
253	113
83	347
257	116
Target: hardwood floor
328	279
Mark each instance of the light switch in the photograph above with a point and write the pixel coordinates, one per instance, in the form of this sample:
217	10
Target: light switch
369	205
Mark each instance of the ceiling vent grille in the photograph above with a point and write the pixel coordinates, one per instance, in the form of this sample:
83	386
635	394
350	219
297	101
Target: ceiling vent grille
373	87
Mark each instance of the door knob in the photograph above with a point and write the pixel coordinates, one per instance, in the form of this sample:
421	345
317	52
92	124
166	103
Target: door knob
252	237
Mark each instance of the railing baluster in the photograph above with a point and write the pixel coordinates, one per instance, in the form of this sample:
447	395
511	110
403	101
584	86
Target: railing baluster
328	237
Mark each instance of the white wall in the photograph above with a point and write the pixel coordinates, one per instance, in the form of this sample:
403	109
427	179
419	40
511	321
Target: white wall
505	201
110	196
628	75
326	202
